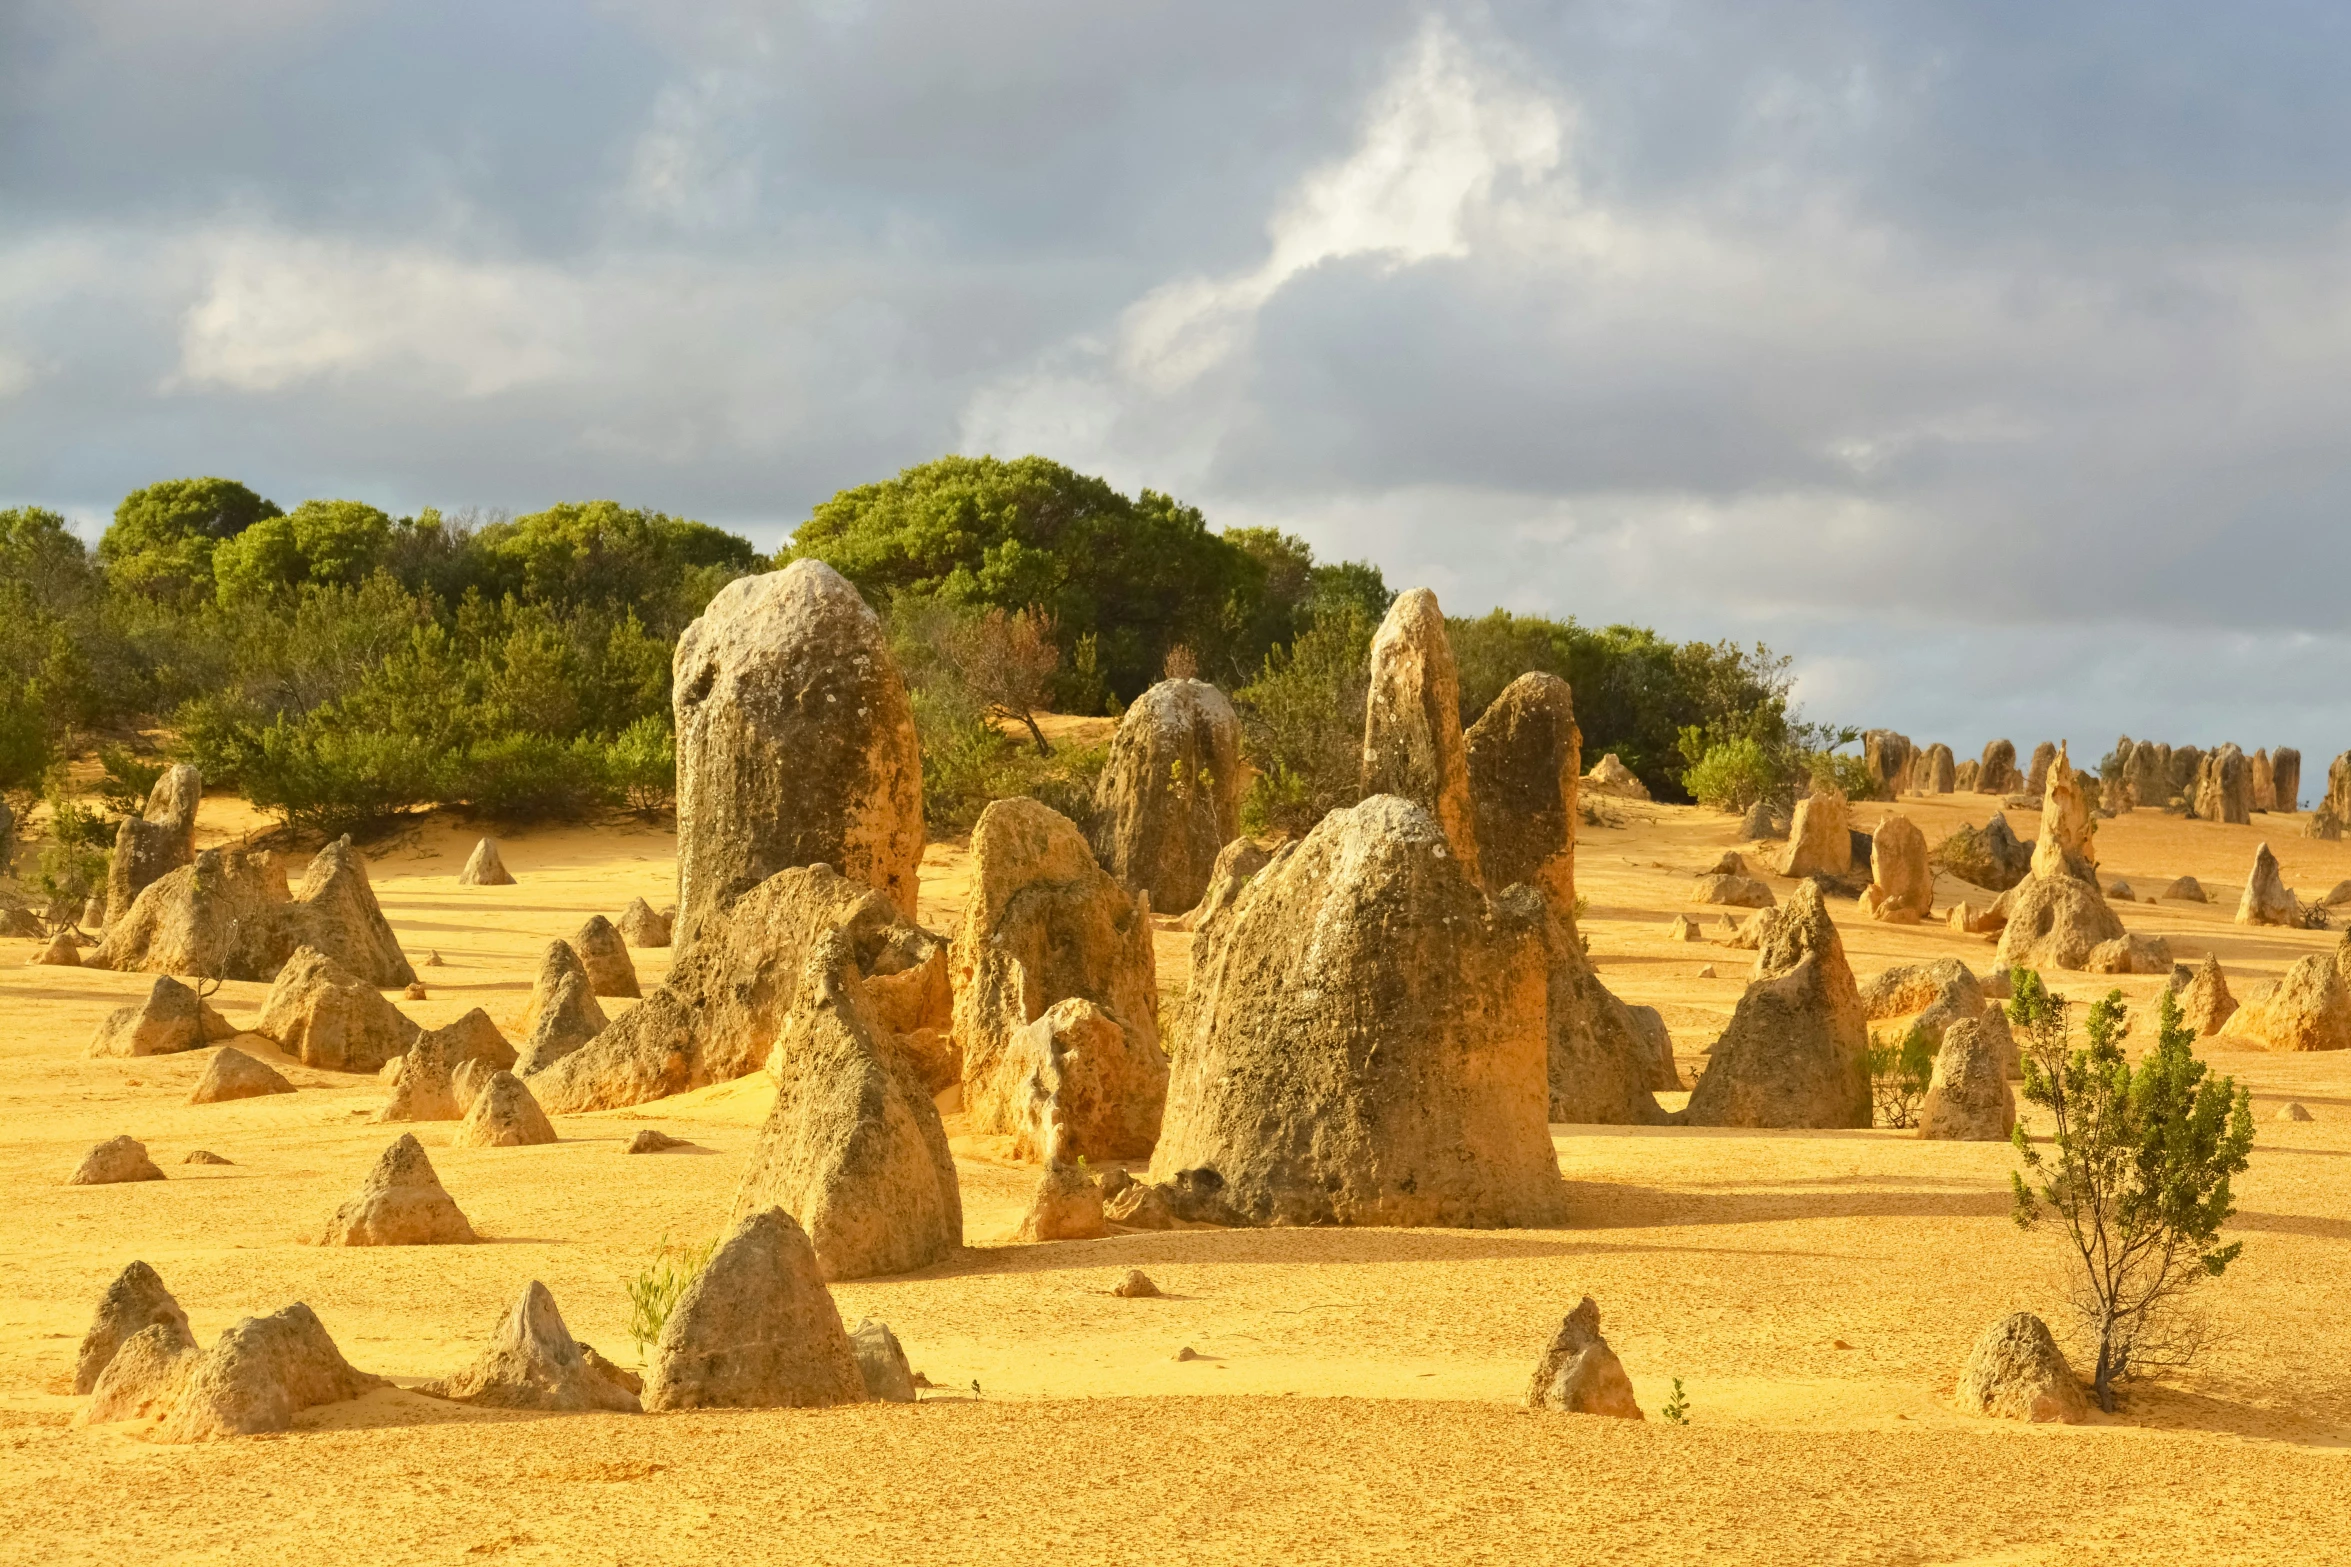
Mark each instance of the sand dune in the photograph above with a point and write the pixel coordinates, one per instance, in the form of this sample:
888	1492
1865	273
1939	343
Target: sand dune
1358	1392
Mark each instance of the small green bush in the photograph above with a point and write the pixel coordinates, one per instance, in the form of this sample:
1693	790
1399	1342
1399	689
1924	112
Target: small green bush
1899	1075
655	1289
1733	776
1850	774
641	766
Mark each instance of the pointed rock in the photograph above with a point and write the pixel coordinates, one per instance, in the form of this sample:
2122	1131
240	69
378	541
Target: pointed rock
1066	1206
232	1074
504	1115
1236	863
1579	1374
853	1147
1525	761
259	1375
61	952
1796	1051
206	1156
2017	1372
468	1081
325	1016
717	1015
167	1022
151	845
1820	841
2310	1009
423	1085
606	958
472	1037
2267	900
485	867
757	1329
881	1362
639	926
562	1015
1968	1098
145	1378
1368	942
532	1362
401	1203
134	1301
2203	995
1611	778
1412	742
114	1161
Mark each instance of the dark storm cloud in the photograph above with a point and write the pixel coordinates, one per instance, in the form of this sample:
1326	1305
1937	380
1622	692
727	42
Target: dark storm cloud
1991	358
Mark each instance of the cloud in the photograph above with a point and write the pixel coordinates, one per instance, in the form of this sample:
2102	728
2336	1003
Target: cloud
277	311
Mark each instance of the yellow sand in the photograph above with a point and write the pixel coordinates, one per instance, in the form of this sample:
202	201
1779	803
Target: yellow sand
1358	1395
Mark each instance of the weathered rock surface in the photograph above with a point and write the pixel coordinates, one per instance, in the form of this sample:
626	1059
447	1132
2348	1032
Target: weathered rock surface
757	1329
533	1362
485	867
2203	995
171	1019
1602	1064
719	1012
114	1161
154	843
1525	759
232	1074
2224	787
1937	772
2285	772
472	1037
2292	1112
1136	1285
853	1148
795	745
1169	797
401	1203
1996	773
145	1378
259	1375
606	958
1612	779
504	1115
1901	884
2055	922
1737	892
1913	987
1965	777
2187	889
640	926
1892	762
882	1363
1044	925
1082	1084
650	1141
2264	786
1757	825
134	1301
1412	742
2310	1009
1066	1206
1579	1374
2267	900
1968	1098
61	952
1366	1045
1820	838
467	1083
229	914
2017	1372
2037	777
1795	1053
1236	863
563	1015
324	1016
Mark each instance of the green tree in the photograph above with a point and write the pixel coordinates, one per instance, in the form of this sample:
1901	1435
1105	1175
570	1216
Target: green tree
601	552
1140	575
163	536
2139	1179
1302	722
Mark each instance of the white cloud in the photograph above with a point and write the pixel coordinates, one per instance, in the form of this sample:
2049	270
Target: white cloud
277	310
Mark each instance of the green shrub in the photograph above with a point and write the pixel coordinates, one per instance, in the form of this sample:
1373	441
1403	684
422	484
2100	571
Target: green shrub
641	766
128	780
531	777
1899	1075
2139	1177
1302	724
1734	775
323	778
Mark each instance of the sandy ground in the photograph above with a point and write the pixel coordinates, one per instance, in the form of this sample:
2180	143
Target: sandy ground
1358	1392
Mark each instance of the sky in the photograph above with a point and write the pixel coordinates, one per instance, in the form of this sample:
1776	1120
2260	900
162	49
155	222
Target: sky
1993	361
